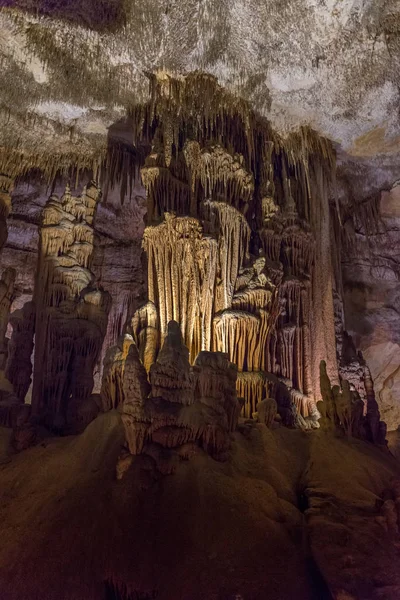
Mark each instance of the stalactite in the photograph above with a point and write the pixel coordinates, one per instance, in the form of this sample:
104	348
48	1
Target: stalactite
322	320
233	234
20	348
220	175
6	297
253	387
286	342
182	271
220	184
71	314
237	334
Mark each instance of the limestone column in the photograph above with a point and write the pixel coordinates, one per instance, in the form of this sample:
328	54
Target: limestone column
71	312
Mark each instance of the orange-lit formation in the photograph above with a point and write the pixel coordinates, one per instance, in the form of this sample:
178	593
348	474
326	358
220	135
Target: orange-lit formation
241	282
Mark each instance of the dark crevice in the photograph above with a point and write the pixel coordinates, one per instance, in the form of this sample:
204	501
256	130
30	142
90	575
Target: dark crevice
119	591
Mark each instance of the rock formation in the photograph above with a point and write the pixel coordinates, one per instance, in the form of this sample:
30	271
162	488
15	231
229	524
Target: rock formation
71	312
370	267
343	411
20	348
236	282
262	277
182	407
266	411
112	393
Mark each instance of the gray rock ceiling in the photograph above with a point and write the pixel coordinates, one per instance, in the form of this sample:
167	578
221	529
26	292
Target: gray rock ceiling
70	70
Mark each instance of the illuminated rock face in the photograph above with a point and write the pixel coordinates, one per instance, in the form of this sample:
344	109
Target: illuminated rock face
233	259
71	312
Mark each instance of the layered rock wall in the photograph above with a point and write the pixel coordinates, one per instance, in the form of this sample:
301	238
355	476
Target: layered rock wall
371	271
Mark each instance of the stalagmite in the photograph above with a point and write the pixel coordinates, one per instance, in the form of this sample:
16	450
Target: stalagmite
181	274
343	411
216	385
266	411
71	313
376	429
145	331
182	407
171	377
136	390
112	394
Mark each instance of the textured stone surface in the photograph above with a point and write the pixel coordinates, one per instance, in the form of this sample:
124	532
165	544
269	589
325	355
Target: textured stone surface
116	257
372	307
291	516
333	65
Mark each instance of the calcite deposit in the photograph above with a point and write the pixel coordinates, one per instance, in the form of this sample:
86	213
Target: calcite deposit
199	314
180	406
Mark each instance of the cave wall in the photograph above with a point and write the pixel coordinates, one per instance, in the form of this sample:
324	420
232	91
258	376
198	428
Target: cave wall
371	273
116	257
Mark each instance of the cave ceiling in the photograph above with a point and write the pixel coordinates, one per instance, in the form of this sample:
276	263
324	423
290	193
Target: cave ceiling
70	70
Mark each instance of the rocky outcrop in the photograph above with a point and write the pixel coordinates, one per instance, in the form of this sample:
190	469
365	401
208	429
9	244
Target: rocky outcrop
182	408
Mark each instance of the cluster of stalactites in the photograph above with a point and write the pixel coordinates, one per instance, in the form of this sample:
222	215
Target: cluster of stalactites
71	312
180	407
260	306
67	226
175	105
287	240
232	232
182	267
219	174
196	175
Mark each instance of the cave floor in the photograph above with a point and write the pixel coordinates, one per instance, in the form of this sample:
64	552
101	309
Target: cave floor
292	515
